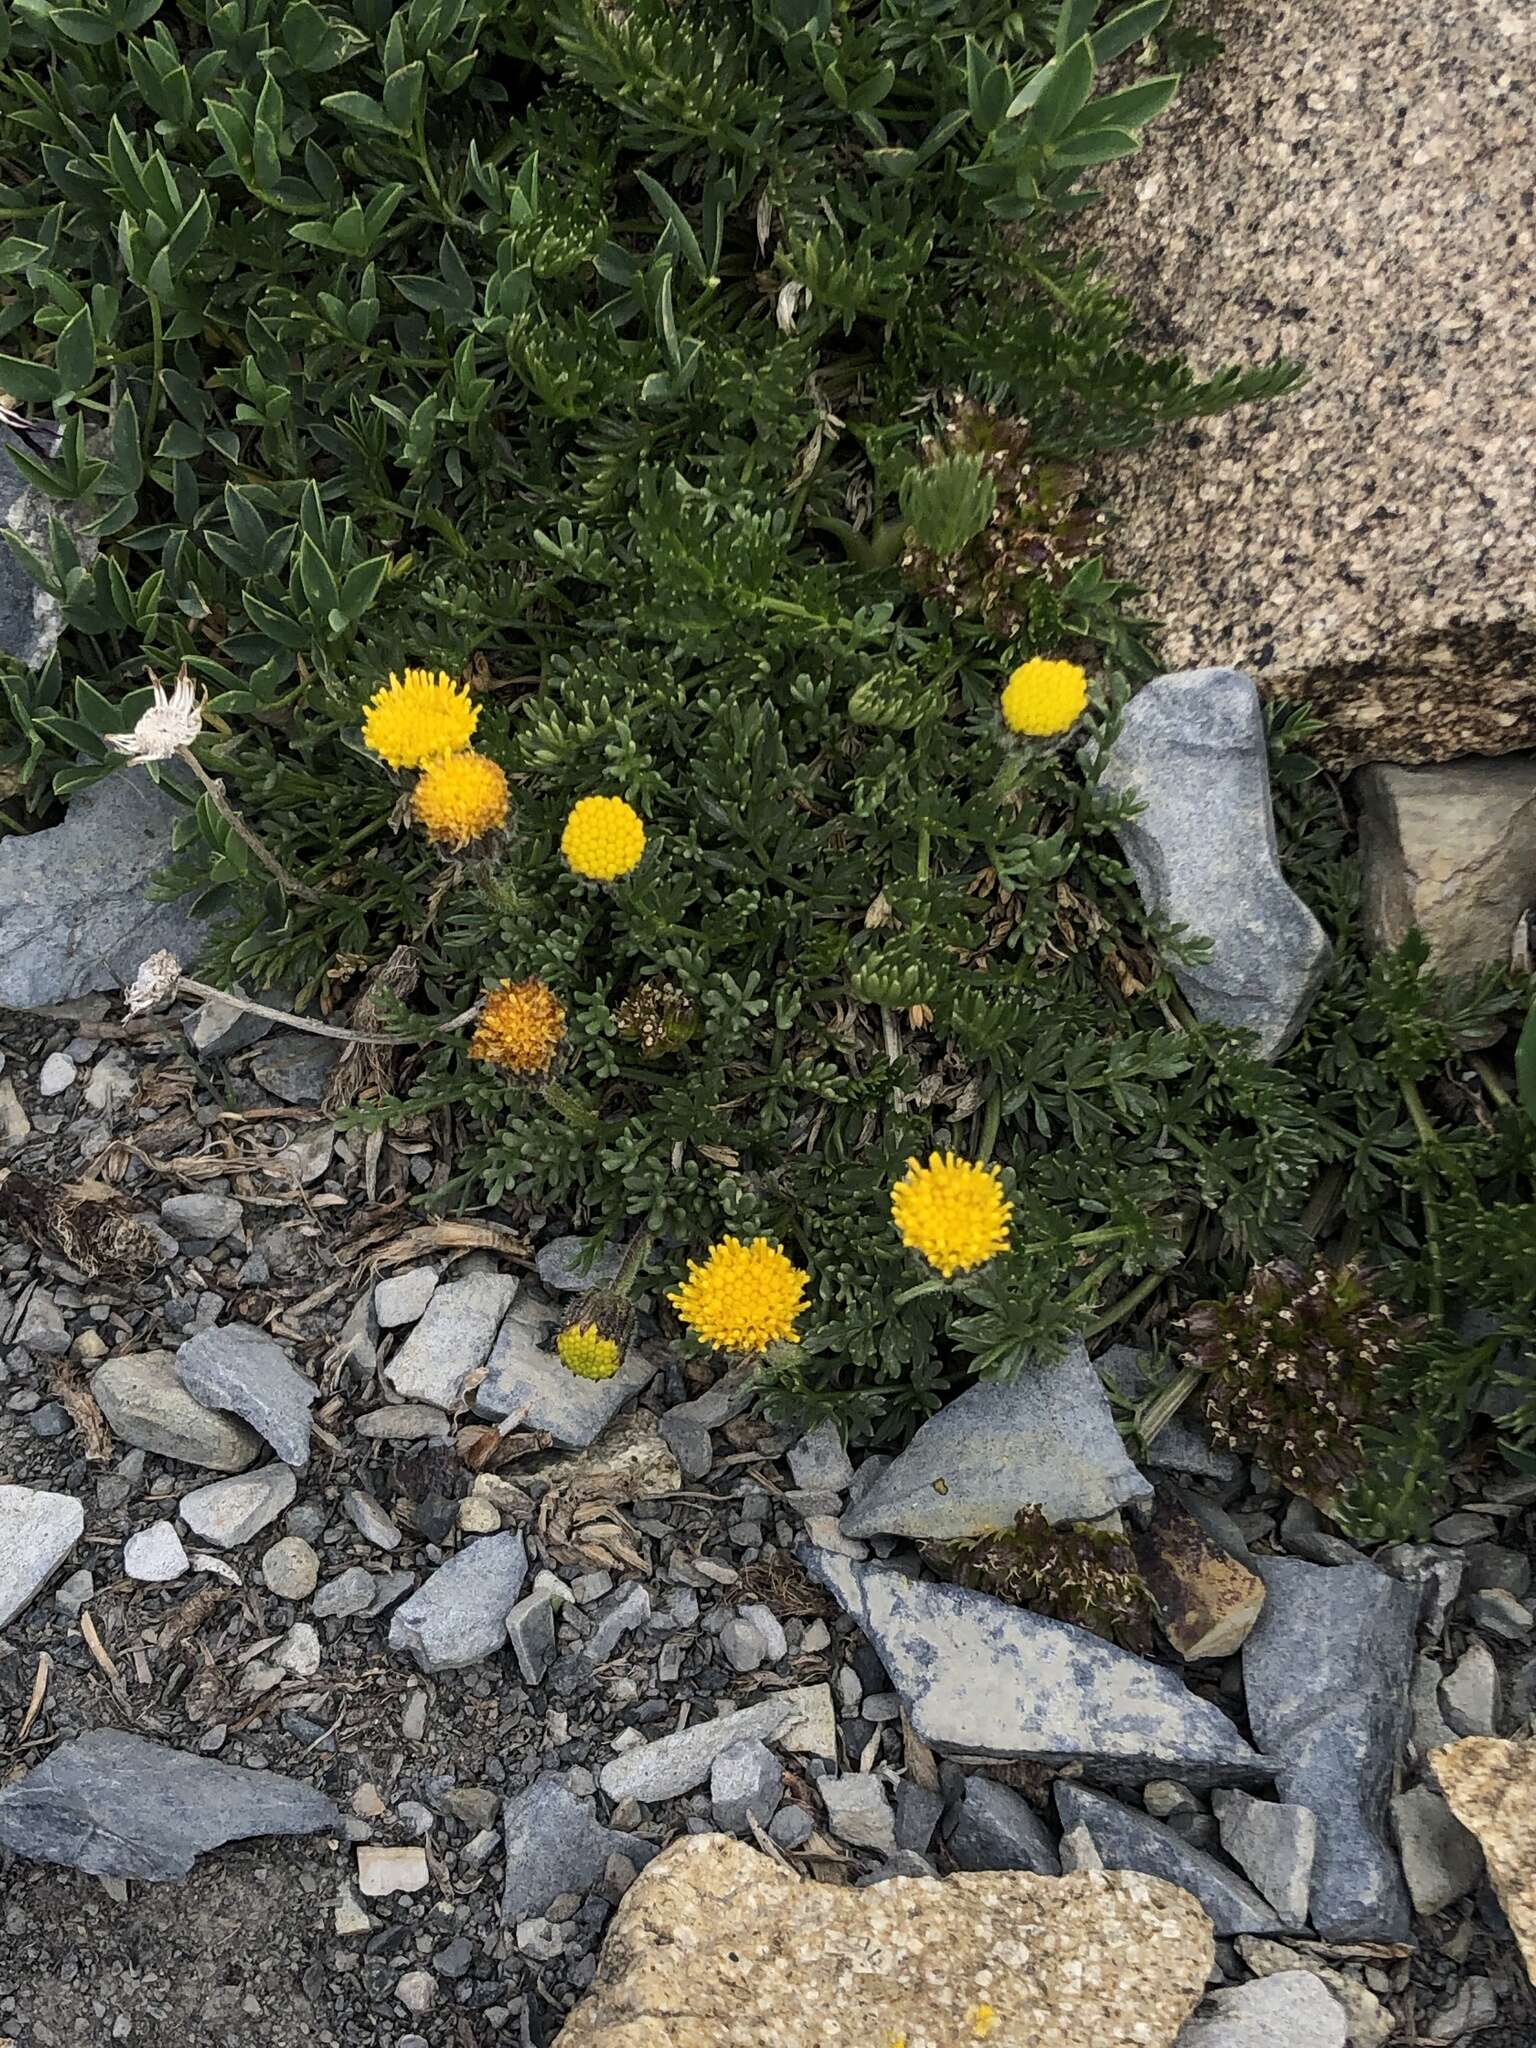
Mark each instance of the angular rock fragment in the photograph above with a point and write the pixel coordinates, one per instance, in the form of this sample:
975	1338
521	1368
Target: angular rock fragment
145	1404
452	1340
747	1779
231	1511
716	1944
1206	1601
115	1804
982	1678
554	1844
38	1530
525	1380
460	1615
1326	1673
1273	1845
996	1828
1491	1788
1295	2010
858	1810
1441	1860
1191	750
241	1369
1046	1439
799	1719
156	1555
1127	1840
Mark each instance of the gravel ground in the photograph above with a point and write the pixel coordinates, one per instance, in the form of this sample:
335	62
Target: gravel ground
250	1949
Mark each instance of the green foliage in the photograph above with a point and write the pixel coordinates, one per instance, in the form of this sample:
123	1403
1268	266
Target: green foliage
666	370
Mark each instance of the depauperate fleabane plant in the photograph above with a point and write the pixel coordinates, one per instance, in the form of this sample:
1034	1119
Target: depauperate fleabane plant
622	481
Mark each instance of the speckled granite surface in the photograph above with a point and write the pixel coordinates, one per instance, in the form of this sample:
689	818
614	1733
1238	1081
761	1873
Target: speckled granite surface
1355	186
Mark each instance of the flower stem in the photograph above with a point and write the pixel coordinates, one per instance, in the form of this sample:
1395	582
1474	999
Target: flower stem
186	986
575	1113
226	810
1118	1310
634	1259
1160	1411
990	1117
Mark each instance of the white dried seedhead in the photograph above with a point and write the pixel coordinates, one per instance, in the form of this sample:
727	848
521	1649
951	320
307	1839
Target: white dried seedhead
173	721
154	985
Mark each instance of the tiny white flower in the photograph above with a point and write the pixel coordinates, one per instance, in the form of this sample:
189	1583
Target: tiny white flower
154	985
173	721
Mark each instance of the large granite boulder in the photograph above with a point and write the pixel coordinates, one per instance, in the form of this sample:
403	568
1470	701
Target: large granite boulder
1347	186
716	1946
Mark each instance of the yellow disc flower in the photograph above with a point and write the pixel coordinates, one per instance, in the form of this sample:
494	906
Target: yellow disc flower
1045	698
458	798
585	1351
953	1211
520	1028
413	719
742	1297
603	838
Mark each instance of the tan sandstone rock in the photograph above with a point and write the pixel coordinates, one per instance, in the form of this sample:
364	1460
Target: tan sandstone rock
717	1946
1346	186
1490	1786
1452	849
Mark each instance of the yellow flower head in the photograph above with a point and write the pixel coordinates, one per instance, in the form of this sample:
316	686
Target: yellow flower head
953	1211
458	798
983	2019
585	1351
743	1296
520	1027
1045	698
413	720
603	838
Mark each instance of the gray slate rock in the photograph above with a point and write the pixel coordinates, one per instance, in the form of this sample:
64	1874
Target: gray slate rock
568	1265
1047	1438
858	1811
818	1462
997	1829
202	1215
74	917
236	1367
452	1339
295	1067
118	1805
1180	1446
686	1427
217	1028
677	1763
745	1779
145	1404
403	1297
42	1329
1127	1840
531	1632
231	1511
350	1592
1327	1672
156	1555
460	1615
983	1678
525	1380
553	1845
38	1530
1293	2009
1442	1860
1191	750
1274	1845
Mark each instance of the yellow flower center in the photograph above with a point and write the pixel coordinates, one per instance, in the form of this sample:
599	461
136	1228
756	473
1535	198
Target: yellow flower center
742	1297
458	798
1044	698
413	719
603	838
585	1351
520	1027
953	1211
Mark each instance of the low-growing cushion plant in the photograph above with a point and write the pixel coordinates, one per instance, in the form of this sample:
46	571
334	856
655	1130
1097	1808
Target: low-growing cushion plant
713	388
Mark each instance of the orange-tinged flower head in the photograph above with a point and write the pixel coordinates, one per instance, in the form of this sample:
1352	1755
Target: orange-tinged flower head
521	1028
459	798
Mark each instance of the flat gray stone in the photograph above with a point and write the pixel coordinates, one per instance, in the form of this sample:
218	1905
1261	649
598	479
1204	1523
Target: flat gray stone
631	1610
145	1404
996	1828
1469	1692
74	917
1046	1439
1291	2010
1181	1445
818	1463
1192	752
403	1297
460	1615
58	1073
1127	1840
452	1339
686	1427
238	1368
570	1265
746	1779
410	1422
42	1329
799	1719
156	1555
1327	1672
38	1530
858	1810
231	1511
201	1215
350	1592
982	1678
370	1520
554	1844
217	1028
118	1805
295	1067
525	1380
1442	1860
531	1632
1274	1845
